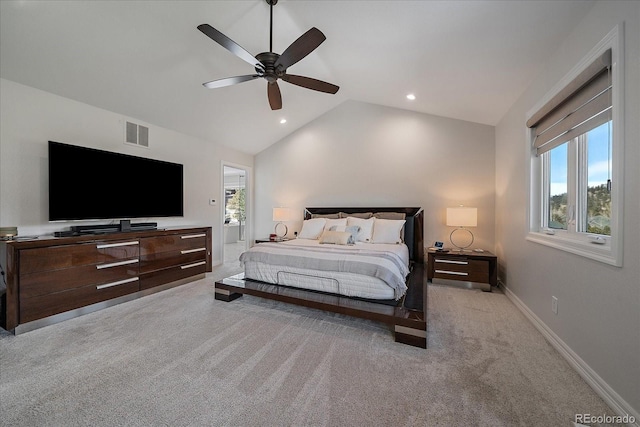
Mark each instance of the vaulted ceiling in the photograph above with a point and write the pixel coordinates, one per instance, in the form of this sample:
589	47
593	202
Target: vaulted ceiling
466	60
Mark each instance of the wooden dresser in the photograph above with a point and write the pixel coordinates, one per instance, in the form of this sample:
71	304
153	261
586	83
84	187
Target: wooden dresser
52	279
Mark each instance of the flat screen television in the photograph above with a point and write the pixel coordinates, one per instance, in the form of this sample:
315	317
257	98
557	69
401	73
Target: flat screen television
85	183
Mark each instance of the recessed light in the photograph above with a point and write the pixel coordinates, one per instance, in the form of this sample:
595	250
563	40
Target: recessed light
411	97
283	121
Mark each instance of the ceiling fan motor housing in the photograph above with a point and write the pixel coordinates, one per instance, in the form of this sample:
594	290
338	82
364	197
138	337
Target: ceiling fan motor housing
270	73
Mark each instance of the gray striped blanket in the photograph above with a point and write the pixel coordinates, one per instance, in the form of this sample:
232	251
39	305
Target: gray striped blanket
384	265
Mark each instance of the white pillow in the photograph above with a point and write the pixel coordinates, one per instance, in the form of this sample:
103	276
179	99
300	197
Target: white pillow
312	228
388	231
342	222
366	228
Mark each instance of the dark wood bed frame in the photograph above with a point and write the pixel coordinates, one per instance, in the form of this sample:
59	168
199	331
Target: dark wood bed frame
408	319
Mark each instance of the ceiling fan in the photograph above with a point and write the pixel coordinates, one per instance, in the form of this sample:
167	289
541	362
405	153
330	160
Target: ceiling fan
271	66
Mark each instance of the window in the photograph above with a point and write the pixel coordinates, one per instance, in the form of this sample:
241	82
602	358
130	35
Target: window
597	192
577	184
556	189
577	157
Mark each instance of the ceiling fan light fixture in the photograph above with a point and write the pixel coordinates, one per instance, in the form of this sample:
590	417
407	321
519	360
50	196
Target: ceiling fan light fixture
270	65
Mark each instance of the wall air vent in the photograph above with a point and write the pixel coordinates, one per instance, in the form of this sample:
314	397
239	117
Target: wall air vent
137	134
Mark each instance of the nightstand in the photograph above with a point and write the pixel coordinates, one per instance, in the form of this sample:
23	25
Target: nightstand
473	267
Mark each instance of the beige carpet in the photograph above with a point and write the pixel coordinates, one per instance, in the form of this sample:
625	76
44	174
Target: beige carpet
181	358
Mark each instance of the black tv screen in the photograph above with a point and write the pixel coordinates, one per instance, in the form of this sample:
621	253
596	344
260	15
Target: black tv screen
85	183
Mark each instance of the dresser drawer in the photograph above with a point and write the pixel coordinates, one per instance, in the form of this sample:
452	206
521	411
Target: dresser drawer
461	269
67	256
42	306
172	274
47	282
155	245
162	260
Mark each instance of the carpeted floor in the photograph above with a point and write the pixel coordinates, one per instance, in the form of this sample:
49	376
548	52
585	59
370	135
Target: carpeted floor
181	358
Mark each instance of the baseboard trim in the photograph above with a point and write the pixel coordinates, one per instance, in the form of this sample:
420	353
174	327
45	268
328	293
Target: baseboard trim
608	394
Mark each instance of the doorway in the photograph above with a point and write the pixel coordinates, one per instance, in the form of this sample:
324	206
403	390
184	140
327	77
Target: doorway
235	212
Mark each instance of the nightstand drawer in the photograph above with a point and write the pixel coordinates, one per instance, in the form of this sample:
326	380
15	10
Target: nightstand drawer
461	269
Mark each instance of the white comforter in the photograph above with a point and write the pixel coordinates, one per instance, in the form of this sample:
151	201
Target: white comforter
384	263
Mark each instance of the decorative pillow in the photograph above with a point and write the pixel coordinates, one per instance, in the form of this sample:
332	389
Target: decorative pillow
328	216
390	215
366	228
335	222
387	231
312	228
352	230
363	215
335	237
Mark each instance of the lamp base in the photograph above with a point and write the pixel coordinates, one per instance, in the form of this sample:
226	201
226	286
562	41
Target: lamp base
460	247
280	236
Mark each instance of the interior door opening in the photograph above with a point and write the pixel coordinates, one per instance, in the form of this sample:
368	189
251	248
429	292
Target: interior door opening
235	213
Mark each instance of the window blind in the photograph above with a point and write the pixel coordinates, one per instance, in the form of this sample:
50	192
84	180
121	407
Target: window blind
585	103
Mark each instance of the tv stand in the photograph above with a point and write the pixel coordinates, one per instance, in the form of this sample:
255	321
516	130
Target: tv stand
125	225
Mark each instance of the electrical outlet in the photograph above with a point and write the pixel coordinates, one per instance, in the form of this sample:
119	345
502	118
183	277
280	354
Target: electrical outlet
554	305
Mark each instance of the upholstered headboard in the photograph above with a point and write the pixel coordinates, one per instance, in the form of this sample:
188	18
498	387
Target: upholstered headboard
413	229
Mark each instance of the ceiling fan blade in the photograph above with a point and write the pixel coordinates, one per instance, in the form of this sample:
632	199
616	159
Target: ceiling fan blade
303	46
229	81
275	98
309	83
230	45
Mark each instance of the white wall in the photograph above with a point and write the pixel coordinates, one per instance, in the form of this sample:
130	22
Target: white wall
598	305
367	155
30	117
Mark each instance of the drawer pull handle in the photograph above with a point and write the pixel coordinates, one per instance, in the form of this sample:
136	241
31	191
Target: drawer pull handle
193	236
119	282
196	264
456	273
448	261
115	245
116	264
190	251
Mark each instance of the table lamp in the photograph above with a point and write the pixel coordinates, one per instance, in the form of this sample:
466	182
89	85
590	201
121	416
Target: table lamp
280	215
462	217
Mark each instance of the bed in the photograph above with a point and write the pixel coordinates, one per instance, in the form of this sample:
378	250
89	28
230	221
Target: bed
376	275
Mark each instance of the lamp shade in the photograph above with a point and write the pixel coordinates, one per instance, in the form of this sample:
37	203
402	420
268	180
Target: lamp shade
280	214
462	217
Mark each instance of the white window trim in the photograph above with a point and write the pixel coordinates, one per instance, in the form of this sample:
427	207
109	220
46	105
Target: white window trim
582	243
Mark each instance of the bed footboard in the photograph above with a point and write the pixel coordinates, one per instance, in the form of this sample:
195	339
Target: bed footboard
408	320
